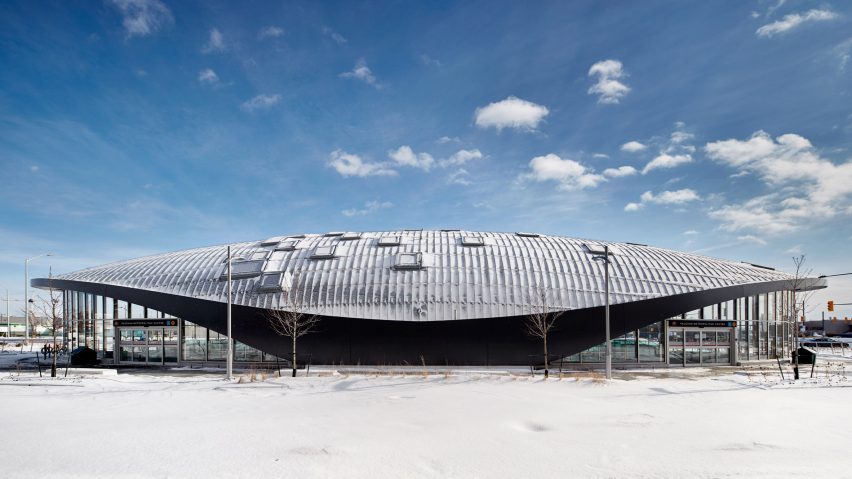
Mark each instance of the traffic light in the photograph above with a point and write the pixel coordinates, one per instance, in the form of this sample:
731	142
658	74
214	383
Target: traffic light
831	305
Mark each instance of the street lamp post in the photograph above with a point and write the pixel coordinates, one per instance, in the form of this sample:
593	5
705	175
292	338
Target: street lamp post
230	356
230	366
605	259
8	316
27	292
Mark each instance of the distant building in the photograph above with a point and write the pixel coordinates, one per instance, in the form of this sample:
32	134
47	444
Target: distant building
19	327
444	297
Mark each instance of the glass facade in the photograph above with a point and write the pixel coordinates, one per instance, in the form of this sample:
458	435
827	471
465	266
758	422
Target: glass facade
763	331
89	322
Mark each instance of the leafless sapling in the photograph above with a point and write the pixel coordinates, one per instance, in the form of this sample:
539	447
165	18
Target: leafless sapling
292	320
541	319
50	309
793	306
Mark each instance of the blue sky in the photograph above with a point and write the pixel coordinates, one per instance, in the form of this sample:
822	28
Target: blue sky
134	127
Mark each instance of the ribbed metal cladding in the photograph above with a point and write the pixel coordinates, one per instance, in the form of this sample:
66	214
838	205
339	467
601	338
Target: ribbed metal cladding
455	281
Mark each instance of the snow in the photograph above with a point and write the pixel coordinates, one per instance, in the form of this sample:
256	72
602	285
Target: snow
671	423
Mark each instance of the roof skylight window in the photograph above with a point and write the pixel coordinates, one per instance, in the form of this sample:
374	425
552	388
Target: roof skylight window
408	261
596	248
271	282
349	236
334	233
259	255
323	252
243	269
272	241
473	241
527	235
389	241
287	245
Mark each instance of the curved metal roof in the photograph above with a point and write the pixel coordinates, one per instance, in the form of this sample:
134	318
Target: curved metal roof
415	275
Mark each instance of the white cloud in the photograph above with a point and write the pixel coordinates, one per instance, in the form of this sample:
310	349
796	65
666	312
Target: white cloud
348	164
405	156
843	51
270	32
677	197
619	172
369	207
429	61
679	137
215	42
633	147
666	161
459	177
338	38
753	239
608	87
690	232
447	139
600	155
143	17
260	102
34	168
361	72
806	187
461	157
208	77
570	174
511	113
794	20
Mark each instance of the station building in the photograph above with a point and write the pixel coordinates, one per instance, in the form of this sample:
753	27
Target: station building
440	297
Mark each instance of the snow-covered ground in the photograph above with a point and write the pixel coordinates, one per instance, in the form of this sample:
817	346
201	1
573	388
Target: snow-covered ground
678	423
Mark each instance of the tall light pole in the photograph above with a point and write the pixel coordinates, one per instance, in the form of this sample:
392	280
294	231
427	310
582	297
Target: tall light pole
27	292
230	357
605	259
8	316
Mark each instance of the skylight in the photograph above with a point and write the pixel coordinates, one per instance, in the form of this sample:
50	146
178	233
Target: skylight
334	233
258	255
287	245
271	241
270	282
389	241
527	235
243	269
350	235
408	261
323	252
472	241
597	248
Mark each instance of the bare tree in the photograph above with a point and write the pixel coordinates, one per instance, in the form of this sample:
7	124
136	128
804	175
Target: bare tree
541	319
793	304
291	320
50	309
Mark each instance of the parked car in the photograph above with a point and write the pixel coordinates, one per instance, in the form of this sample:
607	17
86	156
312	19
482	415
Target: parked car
821	342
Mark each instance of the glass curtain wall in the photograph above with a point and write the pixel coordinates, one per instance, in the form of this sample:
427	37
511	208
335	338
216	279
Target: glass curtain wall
762	332
202	344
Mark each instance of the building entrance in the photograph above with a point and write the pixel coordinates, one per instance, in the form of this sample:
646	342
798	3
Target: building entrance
146	342
695	343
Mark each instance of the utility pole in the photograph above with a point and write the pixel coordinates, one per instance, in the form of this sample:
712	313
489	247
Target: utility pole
27	292
605	259
606	314
230	365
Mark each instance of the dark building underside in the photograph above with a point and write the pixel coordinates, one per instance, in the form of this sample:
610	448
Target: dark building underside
486	341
